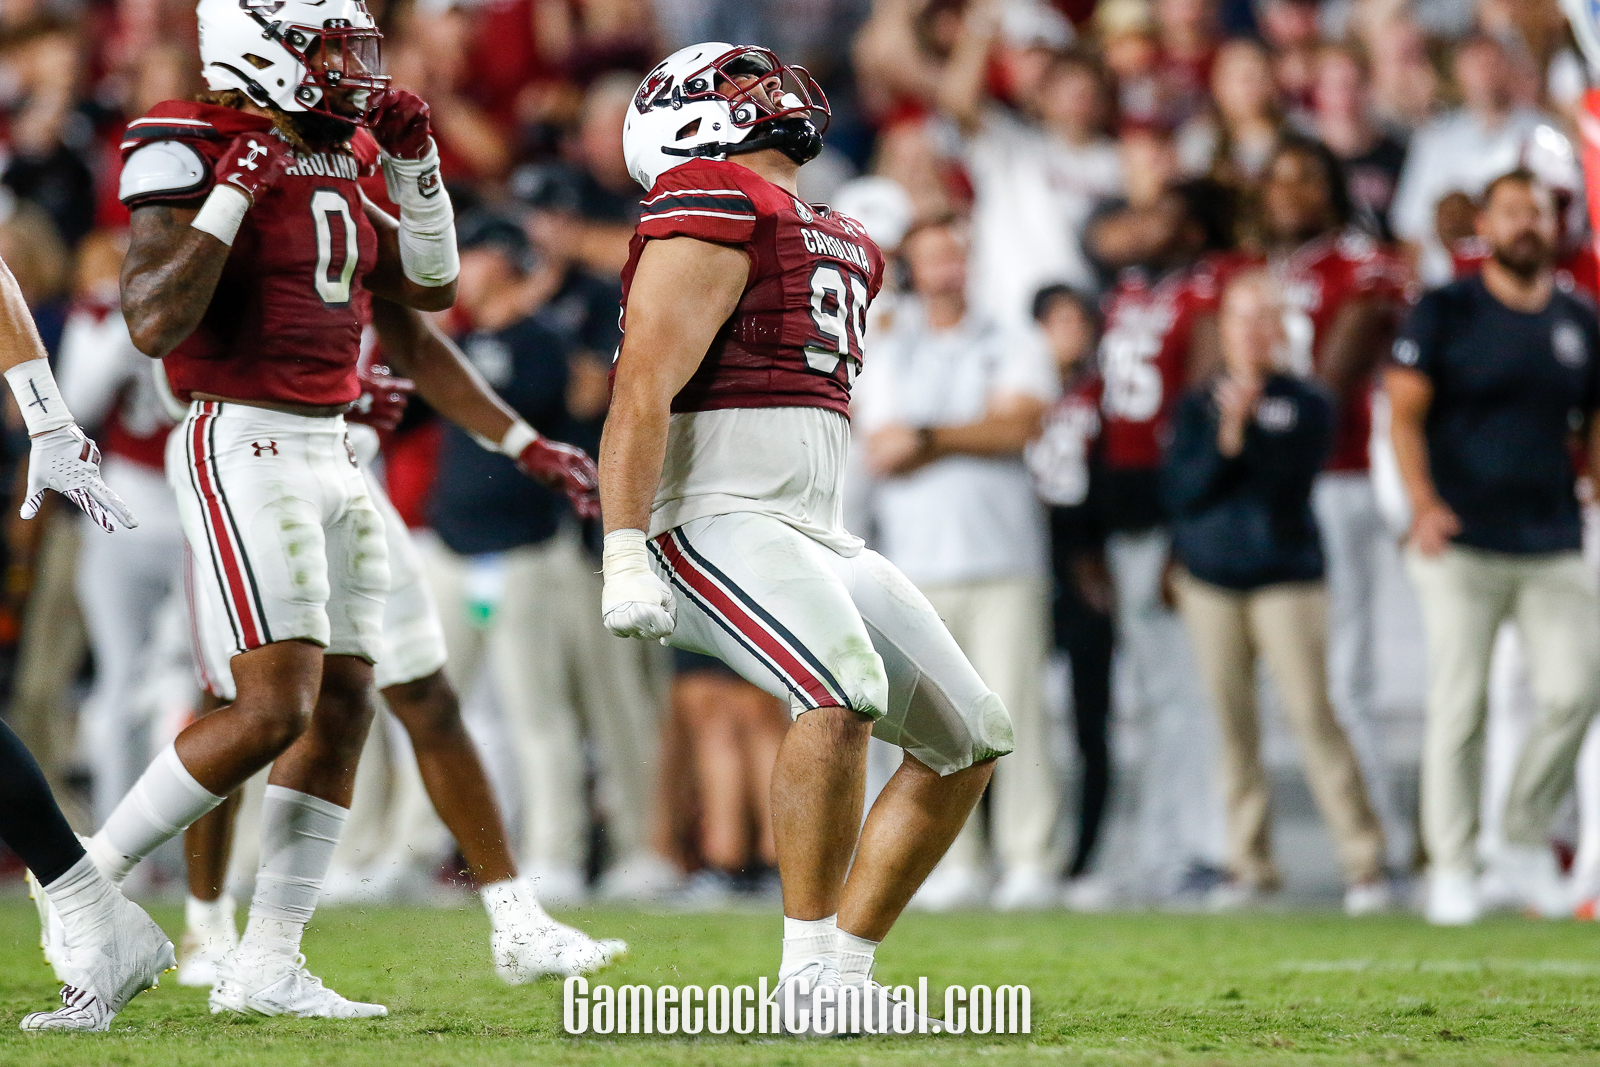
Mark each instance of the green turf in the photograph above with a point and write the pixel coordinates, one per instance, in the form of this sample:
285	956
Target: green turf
1125	989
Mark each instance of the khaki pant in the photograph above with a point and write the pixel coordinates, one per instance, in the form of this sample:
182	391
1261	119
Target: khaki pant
1286	626
1003	627
534	615
1465	595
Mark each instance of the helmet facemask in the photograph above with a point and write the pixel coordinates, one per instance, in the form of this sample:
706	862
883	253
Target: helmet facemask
780	105
342	68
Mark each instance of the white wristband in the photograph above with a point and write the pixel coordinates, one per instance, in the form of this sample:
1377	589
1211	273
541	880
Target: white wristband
222	213
520	436
624	554
428	252
37	395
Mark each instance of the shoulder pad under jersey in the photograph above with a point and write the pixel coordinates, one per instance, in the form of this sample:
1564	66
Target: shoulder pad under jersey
162	169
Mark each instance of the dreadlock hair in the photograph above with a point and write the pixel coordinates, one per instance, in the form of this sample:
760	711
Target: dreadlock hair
306	132
1332	172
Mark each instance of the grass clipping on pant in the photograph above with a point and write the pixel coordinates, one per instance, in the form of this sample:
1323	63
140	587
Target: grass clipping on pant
1308	987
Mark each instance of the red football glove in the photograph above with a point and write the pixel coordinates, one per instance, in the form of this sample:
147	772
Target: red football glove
383	399
399	123
566	469
252	163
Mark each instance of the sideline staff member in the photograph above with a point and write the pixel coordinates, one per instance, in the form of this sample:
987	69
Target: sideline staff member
1491	376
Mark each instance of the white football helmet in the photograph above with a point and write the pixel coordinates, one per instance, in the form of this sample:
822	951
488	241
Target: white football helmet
289	53
715	100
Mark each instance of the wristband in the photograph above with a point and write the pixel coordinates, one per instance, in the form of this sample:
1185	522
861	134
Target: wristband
222	213
519	437
39	397
624	554
427	220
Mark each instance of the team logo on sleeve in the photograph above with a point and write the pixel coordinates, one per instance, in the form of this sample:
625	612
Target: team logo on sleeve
1567	341
803	211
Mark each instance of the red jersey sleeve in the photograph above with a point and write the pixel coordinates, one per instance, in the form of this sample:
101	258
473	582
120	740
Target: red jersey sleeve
704	199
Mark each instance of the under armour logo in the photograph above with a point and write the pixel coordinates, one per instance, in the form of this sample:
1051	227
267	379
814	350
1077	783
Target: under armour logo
265	448
38	401
249	161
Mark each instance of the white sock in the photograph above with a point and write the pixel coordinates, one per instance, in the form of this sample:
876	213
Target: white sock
855	958
298	835
511	902
806	941
80	893
210	919
159	807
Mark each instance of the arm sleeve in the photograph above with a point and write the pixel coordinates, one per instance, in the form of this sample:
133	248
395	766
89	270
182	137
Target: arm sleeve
699	202
1196	473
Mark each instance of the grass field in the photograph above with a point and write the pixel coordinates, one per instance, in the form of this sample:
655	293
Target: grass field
1123	989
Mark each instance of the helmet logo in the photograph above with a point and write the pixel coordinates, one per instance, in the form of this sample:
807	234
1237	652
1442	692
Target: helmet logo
655	92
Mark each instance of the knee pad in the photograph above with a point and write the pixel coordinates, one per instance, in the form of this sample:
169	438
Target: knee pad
990	723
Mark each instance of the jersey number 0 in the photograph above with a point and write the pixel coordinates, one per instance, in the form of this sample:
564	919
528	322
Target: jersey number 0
336	256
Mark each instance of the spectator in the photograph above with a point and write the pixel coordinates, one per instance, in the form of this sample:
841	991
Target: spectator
1036	172
516	591
1405	85
1189	33
50	140
1344	295
1155	345
1490	376
1232	145
1246	450
1461	151
1289	28
946	404
1342	118
1062	461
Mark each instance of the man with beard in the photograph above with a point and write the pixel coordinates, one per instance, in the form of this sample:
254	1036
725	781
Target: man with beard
1491	377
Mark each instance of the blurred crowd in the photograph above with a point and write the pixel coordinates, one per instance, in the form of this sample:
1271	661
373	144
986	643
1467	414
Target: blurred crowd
1057	184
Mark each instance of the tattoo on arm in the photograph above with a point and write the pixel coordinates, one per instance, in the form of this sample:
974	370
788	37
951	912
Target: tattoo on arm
168	276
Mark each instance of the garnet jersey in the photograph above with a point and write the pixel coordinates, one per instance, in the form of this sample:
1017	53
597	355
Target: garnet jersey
795	338
1319	279
285	320
1059	457
1144	356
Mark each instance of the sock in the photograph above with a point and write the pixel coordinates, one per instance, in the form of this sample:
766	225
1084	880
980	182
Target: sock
159	807
80	893
855	958
298	835
511	902
806	941
209	918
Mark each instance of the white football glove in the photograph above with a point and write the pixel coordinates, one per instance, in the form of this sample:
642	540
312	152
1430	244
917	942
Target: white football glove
68	462
634	602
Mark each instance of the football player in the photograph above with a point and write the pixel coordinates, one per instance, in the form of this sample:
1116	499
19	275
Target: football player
525	942
117	950
1343	294
253	256
721	470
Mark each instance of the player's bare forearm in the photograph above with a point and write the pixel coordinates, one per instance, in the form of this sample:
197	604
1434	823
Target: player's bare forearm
682	292
1360	335
388	279
19	337
443	377
168	277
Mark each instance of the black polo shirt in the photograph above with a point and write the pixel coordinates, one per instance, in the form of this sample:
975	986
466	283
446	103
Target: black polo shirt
1510	389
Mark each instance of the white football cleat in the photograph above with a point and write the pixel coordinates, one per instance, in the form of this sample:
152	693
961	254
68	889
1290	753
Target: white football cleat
806	981
205	945
526	952
266	984
880	1009
52	934
119	954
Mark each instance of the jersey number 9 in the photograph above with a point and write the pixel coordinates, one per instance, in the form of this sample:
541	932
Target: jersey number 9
839	309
